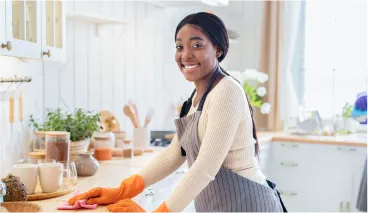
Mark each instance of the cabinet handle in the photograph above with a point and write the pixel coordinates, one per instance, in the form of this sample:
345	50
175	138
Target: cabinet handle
7	45
292	145
151	193
48	53
341	207
347	149
180	172
289	164
288	193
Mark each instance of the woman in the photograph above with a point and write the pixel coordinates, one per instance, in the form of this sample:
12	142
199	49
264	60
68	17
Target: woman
215	134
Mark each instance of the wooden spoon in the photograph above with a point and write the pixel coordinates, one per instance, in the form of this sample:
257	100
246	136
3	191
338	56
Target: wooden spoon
133	107
128	112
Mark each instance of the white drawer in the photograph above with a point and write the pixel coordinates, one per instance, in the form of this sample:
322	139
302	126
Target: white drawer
286	151
289	176
346	156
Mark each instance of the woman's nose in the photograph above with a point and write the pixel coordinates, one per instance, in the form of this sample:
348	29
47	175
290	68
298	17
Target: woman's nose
186	54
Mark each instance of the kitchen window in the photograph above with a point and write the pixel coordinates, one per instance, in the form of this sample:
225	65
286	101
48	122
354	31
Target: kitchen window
335	56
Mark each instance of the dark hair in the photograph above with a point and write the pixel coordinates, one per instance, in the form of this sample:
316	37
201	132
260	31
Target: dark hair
215	29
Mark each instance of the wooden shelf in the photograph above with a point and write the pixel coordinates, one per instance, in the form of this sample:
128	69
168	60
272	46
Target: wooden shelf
95	19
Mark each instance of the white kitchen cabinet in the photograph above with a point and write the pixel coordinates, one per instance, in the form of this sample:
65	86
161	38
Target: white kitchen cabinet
316	177
53	31
264	155
23	29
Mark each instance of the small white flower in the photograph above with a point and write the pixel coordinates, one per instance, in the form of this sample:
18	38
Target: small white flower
252	74
265	108
262	77
261	91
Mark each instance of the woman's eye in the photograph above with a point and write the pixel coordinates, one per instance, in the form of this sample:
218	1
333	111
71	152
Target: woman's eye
197	45
178	47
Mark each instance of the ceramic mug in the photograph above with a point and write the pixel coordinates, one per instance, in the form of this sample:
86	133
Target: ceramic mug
28	174
51	176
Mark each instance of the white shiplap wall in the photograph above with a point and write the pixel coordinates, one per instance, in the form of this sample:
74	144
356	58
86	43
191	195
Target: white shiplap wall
106	67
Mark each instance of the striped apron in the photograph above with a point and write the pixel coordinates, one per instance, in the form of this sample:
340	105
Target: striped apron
228	192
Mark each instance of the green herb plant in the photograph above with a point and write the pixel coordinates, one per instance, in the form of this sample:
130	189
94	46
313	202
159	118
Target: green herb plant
80	124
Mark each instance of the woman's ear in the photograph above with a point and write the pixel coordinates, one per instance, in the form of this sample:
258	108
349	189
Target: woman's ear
218	52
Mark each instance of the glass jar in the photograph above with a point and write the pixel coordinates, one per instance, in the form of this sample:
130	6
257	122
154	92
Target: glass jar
57	146
86	164
39	141
103	140
119	138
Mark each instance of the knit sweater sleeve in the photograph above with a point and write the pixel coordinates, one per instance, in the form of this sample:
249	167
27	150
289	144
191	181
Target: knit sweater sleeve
164	164
224	114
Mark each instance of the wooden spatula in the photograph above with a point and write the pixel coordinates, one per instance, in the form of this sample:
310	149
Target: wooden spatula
128	112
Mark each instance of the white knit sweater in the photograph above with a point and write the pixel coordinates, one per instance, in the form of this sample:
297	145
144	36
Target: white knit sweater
226	137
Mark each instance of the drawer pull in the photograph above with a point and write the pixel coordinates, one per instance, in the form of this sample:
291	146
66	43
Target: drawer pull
180	172
288	145
151	193
289	164
347	149
289	194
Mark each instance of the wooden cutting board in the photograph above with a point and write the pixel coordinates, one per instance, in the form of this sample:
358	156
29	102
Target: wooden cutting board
38	195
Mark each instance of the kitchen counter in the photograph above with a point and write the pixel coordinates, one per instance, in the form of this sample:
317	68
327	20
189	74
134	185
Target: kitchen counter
346	140
112	172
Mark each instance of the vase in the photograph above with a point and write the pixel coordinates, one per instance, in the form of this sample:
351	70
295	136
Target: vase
86	164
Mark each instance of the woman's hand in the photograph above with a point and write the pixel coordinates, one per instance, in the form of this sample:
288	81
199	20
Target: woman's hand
129	188
126	205
99	195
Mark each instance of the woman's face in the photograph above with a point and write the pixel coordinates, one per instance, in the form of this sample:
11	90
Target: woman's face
195	55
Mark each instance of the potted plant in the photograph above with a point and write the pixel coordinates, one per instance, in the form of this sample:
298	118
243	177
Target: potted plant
350	125
80	124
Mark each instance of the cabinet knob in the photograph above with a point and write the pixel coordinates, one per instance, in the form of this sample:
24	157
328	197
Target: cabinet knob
289	164
289	193
48	53
7	45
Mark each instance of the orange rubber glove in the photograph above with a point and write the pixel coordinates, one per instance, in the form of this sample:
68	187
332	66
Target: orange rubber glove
162	209
129	188
128	205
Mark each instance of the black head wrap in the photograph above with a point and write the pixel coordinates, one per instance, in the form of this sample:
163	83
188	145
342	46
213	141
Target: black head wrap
212	26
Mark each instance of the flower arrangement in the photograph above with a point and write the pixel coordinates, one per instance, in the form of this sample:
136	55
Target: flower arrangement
251	80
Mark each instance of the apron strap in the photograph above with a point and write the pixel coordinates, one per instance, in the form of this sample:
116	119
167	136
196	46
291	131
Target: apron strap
212	81
187	104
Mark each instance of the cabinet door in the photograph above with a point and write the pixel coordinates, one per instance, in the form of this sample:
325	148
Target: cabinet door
23	28
3	49
356	178
53	30
264	157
